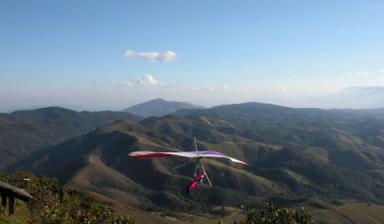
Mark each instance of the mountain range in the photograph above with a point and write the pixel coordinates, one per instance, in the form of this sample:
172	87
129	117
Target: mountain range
297	155
159	107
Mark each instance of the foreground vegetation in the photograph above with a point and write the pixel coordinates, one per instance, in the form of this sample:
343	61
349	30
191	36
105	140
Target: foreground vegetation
53	205
271	214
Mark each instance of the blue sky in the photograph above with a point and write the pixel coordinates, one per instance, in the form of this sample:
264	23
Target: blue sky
73	53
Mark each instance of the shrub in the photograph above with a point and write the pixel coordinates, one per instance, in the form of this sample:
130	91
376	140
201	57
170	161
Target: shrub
270	214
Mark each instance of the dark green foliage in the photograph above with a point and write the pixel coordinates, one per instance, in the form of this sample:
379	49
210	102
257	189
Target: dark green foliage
270	214
53	205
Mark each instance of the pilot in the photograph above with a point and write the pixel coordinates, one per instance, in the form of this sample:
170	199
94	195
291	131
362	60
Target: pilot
199	177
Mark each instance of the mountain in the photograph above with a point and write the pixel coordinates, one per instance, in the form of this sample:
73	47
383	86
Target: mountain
311	154
159	107
23	132
98	163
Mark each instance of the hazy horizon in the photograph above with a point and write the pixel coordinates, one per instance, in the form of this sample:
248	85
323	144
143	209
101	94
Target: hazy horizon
110	55
79	108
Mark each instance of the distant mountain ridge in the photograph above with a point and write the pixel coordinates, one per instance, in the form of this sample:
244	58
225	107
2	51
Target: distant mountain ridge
159	107
23	132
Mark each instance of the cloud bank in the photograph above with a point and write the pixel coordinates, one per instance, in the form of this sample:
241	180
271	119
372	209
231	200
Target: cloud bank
197	88
153	56
145	80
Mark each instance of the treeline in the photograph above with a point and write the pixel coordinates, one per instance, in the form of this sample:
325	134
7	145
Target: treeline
271	214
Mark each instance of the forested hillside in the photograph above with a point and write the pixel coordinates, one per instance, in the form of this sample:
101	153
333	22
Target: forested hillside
23	132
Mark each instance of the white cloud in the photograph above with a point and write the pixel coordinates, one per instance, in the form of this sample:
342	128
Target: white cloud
153	56
207	88
145	80
194	88
364	74
381	71
226	87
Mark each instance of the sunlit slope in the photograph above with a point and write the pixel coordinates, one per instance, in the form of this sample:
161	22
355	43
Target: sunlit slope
351	213
98	163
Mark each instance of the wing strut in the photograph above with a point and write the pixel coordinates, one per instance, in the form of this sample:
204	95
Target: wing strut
206	174
197	151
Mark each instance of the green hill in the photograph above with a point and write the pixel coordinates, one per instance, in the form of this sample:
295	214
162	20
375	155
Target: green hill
23	132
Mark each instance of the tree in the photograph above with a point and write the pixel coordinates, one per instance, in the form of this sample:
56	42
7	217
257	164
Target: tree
270	214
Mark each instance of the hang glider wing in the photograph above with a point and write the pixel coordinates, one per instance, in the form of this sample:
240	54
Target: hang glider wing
189	154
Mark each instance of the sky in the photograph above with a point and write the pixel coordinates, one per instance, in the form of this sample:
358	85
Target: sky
109	54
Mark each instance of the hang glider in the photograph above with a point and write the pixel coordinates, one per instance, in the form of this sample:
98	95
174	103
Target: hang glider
196	156
187	154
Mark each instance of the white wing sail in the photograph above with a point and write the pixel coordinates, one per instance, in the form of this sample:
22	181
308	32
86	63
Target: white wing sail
188	154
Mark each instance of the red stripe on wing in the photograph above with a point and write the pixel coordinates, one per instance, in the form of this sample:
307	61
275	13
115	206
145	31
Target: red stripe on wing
142	154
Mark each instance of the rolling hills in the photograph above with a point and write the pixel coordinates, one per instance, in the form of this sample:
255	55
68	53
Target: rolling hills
23	132
294	153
